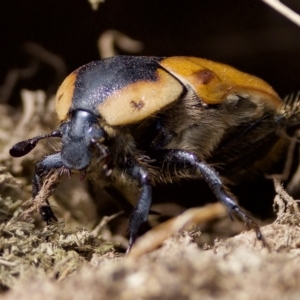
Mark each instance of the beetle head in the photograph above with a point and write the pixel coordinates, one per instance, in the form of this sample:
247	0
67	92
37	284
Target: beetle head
80	134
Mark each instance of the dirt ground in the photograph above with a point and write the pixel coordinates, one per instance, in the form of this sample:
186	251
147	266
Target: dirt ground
57	262
82	256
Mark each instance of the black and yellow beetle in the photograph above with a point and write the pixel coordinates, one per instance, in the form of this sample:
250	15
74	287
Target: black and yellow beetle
137	122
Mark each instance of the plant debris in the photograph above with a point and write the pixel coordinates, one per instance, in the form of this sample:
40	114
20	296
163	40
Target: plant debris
29	253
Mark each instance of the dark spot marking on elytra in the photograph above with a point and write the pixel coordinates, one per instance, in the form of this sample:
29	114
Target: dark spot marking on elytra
137	105
205	76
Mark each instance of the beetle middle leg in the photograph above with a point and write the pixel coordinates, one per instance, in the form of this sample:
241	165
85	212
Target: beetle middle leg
142	208
185	163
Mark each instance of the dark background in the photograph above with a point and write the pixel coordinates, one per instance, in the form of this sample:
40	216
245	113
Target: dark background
246	34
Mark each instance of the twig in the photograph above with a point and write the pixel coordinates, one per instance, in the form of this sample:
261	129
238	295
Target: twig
49	58
32	102
38	55
13	76
155	237
95	3
105	220
110	38
284	10
41	199
288	209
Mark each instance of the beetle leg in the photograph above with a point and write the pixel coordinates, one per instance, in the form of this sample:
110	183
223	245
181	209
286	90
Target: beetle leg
142	208
213	180
43	167
177	159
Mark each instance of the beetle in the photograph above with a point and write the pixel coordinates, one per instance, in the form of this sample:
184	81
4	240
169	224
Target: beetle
134	122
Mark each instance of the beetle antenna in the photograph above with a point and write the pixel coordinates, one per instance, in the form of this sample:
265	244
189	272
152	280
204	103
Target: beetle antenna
24	147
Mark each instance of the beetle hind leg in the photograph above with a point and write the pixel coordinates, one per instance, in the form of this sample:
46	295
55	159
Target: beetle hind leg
214	181
175	160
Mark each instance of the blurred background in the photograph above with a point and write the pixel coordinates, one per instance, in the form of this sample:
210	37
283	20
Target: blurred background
42	41
246	34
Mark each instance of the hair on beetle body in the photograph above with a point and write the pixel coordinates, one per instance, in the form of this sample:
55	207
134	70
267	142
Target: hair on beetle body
132	123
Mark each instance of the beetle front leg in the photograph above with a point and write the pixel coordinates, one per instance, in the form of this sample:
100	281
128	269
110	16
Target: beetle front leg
43	167
142	208
178	159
